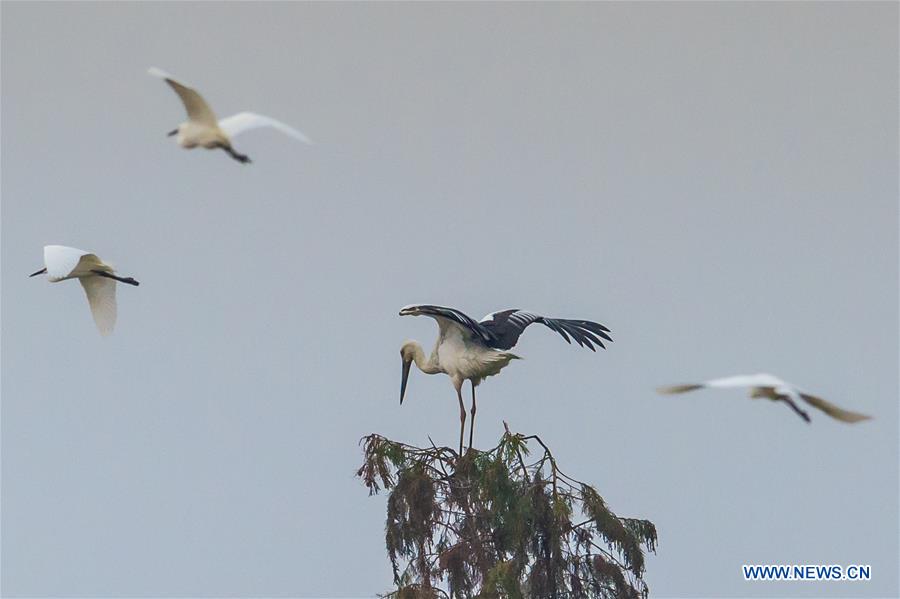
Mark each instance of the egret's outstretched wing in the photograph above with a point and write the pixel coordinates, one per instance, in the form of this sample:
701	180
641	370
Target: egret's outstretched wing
452	317
832	410
61	260
244	121
741	380
747	380
506	327
197	108
101	294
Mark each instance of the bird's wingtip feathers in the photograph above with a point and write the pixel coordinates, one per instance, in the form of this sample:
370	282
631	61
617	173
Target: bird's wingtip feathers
157	72
673	389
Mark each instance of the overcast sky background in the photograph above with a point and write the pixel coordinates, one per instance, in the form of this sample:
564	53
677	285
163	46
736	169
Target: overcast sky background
716	182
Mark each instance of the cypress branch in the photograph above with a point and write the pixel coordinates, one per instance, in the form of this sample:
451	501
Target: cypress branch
500	523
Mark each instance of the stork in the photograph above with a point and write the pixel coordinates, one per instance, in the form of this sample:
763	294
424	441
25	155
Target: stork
470	350
202	128
771	387
97	278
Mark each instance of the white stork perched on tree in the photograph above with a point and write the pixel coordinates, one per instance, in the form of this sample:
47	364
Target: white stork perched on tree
772	387
469	350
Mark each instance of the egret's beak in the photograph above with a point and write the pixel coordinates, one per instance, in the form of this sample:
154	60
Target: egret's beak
406	365
40	272
172	132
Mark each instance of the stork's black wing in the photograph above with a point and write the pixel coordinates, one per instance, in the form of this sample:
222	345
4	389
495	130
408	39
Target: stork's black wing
505	328
453	315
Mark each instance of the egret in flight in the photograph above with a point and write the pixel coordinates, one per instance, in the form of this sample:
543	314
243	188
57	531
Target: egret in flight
468	350
97	278
203	129
775	389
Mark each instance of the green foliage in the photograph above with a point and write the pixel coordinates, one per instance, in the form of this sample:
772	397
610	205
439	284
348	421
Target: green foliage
491	525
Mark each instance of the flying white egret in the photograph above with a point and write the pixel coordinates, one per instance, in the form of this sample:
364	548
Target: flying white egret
772	387
467	350
97	278
203	129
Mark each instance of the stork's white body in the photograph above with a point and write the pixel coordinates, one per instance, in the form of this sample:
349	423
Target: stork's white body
460	359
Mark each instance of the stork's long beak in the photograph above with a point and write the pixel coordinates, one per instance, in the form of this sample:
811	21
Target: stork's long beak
406	366
40	272
172	132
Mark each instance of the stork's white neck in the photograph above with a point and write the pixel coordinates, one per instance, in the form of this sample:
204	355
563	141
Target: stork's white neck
426	365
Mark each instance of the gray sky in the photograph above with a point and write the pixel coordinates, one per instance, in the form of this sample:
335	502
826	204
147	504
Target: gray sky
715	182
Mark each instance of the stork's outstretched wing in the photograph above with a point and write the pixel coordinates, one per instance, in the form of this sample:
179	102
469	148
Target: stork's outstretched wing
506	327
450	315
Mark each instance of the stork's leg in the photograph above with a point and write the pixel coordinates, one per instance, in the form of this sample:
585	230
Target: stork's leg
472	424
462	418
796	408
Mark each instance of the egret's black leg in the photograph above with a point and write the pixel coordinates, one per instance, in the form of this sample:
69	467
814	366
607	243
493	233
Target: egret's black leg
109	275
794	407
242	158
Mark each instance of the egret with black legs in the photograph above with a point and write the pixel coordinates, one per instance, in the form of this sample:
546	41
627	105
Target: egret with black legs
98	279
773	388
203	129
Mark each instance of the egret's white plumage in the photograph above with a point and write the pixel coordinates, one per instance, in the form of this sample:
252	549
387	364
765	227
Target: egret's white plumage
245	121
467	350
96	277
61	261
101	294
204	129
772	387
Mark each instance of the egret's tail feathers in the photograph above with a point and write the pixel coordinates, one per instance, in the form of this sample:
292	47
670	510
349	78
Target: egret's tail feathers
673	389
